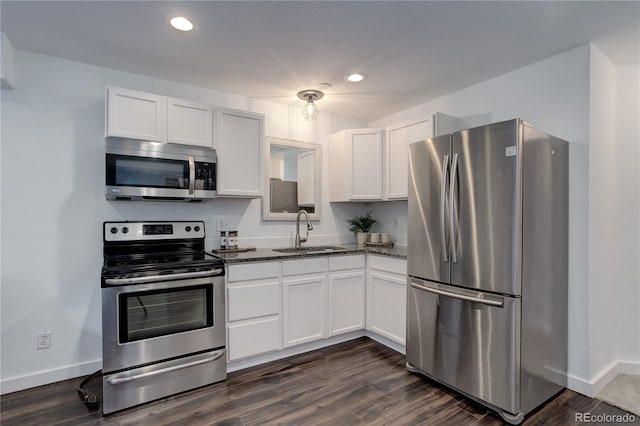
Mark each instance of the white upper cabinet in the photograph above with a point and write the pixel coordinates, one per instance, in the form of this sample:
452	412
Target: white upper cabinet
397	141
398	138
239	145
237	136
145	116
189	123
355	165
364	166
136	115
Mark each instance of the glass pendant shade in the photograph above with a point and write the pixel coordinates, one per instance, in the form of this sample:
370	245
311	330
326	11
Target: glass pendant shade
310	110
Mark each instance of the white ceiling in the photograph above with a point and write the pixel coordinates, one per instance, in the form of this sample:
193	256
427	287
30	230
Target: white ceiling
412	51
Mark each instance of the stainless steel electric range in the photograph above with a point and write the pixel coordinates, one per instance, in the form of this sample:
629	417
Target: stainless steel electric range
163	312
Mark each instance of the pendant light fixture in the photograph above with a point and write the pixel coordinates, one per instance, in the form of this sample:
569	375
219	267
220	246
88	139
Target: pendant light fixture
310	110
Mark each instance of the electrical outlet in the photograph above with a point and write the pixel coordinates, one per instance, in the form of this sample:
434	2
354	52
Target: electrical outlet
223	223
44	339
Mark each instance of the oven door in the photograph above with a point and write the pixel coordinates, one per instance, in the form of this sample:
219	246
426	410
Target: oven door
156	321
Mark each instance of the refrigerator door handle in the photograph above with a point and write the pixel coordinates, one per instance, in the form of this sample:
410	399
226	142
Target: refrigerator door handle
453	210
443	201
496	301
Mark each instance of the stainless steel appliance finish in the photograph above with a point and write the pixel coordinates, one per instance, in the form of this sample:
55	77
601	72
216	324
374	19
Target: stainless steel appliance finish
163	312
140	170
487	264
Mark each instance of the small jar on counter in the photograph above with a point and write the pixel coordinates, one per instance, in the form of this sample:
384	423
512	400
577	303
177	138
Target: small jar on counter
232	240
224	241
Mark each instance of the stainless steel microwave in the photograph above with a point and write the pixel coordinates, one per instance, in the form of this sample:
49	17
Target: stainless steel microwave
140	170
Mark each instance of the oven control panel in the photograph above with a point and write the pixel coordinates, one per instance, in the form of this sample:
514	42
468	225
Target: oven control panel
134	231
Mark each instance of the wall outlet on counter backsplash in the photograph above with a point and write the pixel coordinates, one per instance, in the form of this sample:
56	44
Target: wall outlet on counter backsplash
224	223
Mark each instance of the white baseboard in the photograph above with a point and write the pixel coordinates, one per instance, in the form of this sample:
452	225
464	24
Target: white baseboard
40	378
592	387
387	342
296	350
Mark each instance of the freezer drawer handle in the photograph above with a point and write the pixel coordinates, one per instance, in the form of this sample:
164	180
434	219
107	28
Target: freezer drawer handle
118	380
167	277
489	302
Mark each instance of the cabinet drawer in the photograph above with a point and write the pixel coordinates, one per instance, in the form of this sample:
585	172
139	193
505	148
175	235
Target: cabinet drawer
388	264
253	338
252	271
304	266
338	263
253	301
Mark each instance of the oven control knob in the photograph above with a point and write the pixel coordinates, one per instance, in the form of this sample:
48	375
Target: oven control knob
114	230
197	228
187	228
125	230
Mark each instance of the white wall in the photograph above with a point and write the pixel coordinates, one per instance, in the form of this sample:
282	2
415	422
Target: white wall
614	232
53	205
627	219
603	207
553	94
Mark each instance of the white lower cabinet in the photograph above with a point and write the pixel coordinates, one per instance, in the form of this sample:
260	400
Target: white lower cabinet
280	304
346	294
387	297
304	300
305	309
254	311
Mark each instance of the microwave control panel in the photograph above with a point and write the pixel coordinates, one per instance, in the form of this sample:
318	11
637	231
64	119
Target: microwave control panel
205	176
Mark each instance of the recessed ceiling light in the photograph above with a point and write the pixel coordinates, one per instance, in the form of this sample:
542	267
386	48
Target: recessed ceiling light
181	23
356	77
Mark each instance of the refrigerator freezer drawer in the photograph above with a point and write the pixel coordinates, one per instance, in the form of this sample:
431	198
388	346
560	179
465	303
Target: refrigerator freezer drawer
467	339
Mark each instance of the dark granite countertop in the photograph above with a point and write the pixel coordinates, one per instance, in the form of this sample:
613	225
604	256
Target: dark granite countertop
264	254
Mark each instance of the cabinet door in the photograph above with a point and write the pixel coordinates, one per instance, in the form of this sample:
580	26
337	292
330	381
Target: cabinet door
397	143
305	309
386	305
239	145
253	337
189	123
346	301
136	115
364	155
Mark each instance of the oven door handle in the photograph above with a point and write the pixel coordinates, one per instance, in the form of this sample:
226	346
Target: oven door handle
118	380
154	278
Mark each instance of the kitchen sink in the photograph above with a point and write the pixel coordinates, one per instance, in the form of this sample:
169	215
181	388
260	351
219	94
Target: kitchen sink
311	249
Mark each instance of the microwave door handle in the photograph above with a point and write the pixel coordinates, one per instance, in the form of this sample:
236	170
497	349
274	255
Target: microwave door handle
192	174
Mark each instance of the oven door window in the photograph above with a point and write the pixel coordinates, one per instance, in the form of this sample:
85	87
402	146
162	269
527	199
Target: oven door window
126	170
155	313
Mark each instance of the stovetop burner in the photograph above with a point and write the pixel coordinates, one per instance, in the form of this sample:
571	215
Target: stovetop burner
143	251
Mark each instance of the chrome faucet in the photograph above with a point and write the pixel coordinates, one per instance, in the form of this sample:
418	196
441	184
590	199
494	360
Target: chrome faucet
299	239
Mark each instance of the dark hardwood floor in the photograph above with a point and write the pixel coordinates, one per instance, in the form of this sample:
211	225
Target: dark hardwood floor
353	383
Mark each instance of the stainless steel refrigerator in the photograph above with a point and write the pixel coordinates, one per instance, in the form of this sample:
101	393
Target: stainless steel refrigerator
488	264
